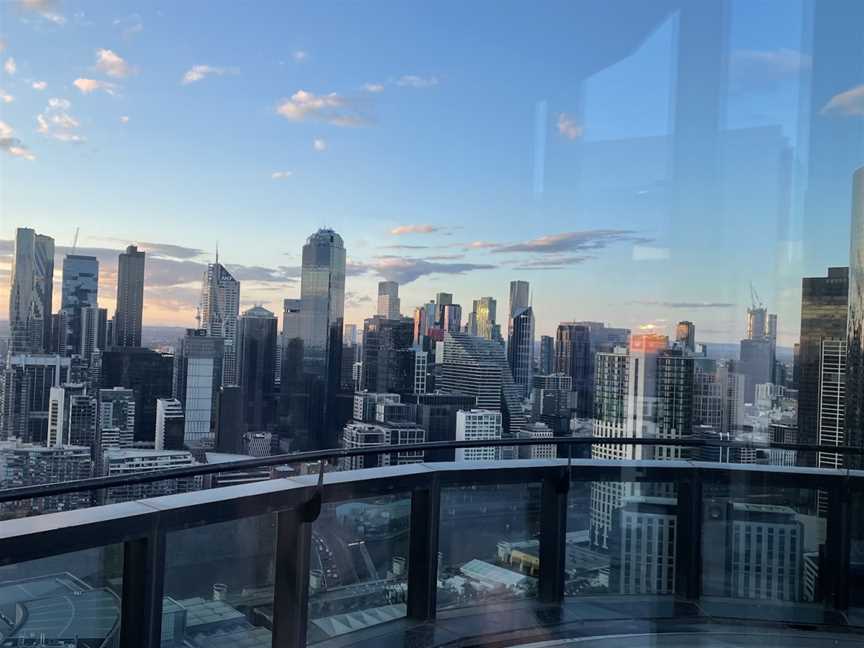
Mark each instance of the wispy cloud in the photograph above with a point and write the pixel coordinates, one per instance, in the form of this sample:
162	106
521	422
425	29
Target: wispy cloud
47	9
687	304
199	72
415	229
300	55
10	67
482	245
39	85
56	122
552	262
405	270
568	127
415	81
86	86
124	119
331	108
354	300
849	103
113	64
573	241
373	87
130	25
759	70
281	175
12	145
5	97
319	144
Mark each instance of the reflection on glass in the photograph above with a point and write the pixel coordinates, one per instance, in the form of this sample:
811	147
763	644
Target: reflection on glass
71	599
219	585
488	543
359	565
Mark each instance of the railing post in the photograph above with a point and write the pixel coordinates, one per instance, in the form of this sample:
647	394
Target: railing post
553	531
688	546
423	551
835	564
143	590
291	581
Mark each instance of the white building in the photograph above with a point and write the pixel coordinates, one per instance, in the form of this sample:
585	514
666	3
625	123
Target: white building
127	461
388	300
478	425
358	434
169	421
537	430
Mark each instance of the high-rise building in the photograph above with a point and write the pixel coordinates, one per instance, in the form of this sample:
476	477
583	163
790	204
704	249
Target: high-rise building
757	357
855	330
575	358
757	322
170	424
384	368
451	317
125	461
148	373
520	348
357	434
83	420
93	327
129	313
831	417
718	397
642	546
388	300
436	413
256	352
220	307
483	318
312	419
80	290
442	299
478	425
116	426
520	297
25	393
197	378
478	368
537	430
824	306
547	355
30	297
685	335
550	398
230	429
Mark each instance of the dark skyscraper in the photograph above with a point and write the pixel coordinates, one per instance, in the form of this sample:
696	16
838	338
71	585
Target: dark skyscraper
574	358
80	291
547	355
256	353
520	348
147	373
855	330
197	378
30	298
130	298
823	317
384	368
685	335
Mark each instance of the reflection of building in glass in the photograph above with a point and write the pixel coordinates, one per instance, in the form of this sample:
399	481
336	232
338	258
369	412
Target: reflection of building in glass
855	334
642	546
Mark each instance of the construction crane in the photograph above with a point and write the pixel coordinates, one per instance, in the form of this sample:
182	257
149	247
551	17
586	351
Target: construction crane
754	298
75	240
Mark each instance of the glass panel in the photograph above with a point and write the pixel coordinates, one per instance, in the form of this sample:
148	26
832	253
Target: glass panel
856	560
762	551
621	539
359	565
489	544
219	584
71	599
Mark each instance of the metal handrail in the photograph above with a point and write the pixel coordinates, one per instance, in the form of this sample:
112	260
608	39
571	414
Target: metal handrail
99	483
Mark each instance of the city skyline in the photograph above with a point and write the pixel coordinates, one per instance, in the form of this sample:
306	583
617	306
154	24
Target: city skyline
573	193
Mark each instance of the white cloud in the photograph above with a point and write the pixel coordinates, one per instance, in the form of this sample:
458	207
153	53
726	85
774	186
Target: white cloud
373	87
56	122
198	72
39	85
568	127
414	81
86	86
10	67
124	119
300	56
414	229
849	103
319	144
5	97
330	108
112	64
47	9
12	145
281	175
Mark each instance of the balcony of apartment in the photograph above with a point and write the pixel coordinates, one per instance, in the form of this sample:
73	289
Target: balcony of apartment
527	552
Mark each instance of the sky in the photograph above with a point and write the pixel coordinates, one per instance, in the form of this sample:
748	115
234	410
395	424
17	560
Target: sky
454	146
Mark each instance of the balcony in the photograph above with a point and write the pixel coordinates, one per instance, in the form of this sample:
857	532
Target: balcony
523	552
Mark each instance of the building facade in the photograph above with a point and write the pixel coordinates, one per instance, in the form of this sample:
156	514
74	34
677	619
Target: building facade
129	314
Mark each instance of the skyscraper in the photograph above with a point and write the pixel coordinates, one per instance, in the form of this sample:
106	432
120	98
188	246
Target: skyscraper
80	291
547	354
130	298
574	357
388	300
197	377
685	335
385	366
855	330
256	352
478	425
519	298
824	306
442	299
25	391
170	424
451	317
484	315
312	418
520	349
220	307
30	299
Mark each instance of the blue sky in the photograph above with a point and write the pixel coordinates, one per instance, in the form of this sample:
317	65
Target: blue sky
498	140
